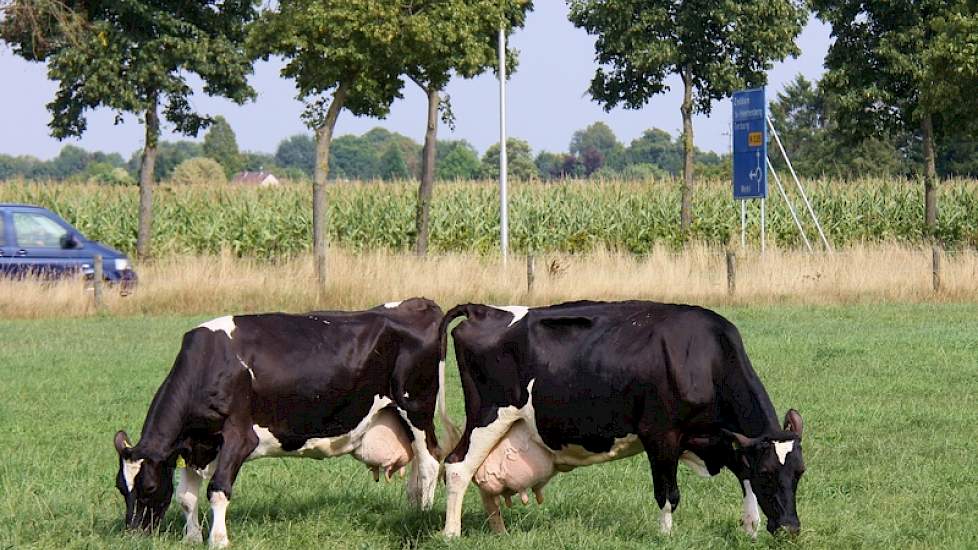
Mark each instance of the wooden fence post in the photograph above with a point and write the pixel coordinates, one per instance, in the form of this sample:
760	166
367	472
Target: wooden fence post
936	266
530	273
97	282
731	272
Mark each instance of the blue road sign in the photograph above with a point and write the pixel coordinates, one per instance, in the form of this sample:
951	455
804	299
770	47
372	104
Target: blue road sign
749	144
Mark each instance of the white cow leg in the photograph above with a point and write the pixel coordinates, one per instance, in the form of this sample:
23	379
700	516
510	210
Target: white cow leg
187	493
219	530
458	475
424	473
490	503
665	519
751	518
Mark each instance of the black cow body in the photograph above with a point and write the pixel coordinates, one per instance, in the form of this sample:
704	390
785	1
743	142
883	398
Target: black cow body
316	385
587	382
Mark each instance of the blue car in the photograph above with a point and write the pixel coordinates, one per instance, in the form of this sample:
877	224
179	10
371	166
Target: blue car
36	242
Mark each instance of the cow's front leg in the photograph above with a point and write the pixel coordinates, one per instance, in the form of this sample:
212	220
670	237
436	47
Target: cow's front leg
461	465
751	517
188	490
664	452
238	444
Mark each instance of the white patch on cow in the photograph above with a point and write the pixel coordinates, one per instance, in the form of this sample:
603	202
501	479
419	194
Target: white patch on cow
247	368
665	518
751	517
219	530
407	396
575	455
187	493
392	305
481	442
695	463
225	323
518	312
424	468
317	447
130	469
783	448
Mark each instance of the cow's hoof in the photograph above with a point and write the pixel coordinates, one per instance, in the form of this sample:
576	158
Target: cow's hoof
750	527
193	537
451	533
219	541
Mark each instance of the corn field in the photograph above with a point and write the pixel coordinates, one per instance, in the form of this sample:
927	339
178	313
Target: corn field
276	223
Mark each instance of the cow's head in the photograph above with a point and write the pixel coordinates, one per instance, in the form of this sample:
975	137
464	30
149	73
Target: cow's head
145	482
774	465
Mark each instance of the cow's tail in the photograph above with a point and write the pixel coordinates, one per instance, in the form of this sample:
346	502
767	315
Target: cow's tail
452	432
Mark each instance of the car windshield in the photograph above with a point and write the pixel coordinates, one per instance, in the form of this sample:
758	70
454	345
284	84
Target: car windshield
37	230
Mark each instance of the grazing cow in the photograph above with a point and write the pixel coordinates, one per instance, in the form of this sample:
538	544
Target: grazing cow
553	388
318	385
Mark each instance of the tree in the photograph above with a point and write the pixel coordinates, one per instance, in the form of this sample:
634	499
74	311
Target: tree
519	161
903	67
549	165
199	171
655	147
601	138
169	154
714	46
221	145
342	55
392	165
134	57
298	151
445	37
803	116
457	160
353	158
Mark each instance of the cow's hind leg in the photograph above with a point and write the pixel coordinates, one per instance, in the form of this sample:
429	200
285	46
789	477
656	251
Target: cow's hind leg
424	469
663	452
461	465
238	444
491	504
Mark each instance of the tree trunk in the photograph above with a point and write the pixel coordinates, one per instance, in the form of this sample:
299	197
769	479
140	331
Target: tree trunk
930	176
423	216
324	136
686	212
146	180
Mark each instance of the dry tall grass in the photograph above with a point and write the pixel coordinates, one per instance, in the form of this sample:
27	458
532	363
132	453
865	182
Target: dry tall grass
224	284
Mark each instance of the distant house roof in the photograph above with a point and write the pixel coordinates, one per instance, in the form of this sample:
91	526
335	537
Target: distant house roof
255	178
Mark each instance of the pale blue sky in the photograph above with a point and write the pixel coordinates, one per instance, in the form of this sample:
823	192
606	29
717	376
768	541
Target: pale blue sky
547	100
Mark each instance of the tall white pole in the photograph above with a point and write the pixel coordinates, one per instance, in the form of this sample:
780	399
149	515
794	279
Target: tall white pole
503	208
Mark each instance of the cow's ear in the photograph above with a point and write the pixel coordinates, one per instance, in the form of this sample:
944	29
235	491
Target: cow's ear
793	422
122	444
740	441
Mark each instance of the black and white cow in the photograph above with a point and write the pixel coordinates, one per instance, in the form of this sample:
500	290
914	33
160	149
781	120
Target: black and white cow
554	388
318	385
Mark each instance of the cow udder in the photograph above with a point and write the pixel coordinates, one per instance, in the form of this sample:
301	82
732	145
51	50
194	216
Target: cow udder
385	445
516	464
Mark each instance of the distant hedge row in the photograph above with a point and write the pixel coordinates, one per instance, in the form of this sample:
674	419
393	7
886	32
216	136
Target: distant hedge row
571	217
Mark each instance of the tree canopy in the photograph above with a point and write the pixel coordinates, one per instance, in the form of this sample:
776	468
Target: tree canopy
135	57
221	145
903	67
714	46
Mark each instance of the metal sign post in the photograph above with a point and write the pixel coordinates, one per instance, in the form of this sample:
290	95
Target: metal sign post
750	153
503	209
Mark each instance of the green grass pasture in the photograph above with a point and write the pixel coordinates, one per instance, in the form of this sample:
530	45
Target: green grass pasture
888	393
